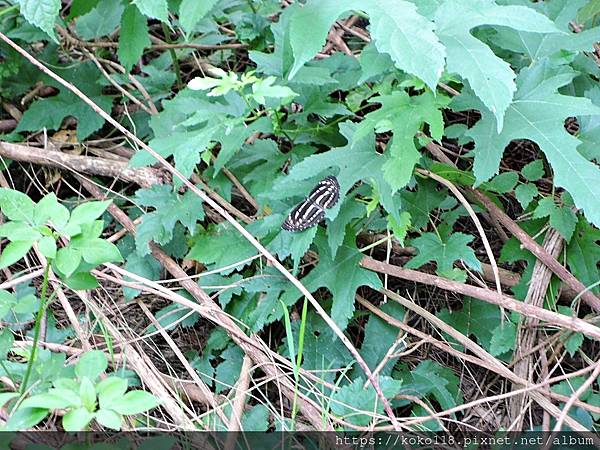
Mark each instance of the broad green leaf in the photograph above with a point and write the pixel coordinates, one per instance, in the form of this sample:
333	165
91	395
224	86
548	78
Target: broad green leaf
502	183
77	419
563	219
573	343
48	208
354	162
97	251
144	266
396	28
23	419
257	419
327	274
228	372
133	37
526	119
221	247
583	254
47	246
110	390
490	77
88	212
404	116
444	251
5	397
81	281
108	419
135	402
357	405
336	230
81	7
169	208
591	9
91	364
13	252
67	260
156	9
41	13
100	21
16	206
47	400
191	11
503	338
18	231
87	394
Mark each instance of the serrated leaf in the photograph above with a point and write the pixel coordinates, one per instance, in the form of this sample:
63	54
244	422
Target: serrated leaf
444	251
563	220
525	119
525	194
490	77
133	37
100	21
169	208
228	372
396	27
191	11
503	338
222	247
583	254
156	9
41	13
534	170
326	274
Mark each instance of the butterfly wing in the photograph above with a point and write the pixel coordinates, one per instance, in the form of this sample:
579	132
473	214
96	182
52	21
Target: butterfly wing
303	216
327	193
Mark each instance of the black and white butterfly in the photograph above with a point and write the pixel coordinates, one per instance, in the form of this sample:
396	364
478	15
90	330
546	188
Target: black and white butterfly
312	210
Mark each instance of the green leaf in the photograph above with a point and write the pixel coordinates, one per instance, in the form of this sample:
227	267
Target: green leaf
444	251
135	402
257	419
81	7
502	183
431	379
100	21
356	161
48	400
220	247
47	246
133	38
97	251
67	260
327	274
583	254
264	88
525	119
81	281
156	9
88	212
13	252
357	405
48	208
503	338
77	419
19	231
108	419
573	343
110	390
544	208
87	393
169	208
25	418
490	77
396	28
534	170
16	206
404	116
191	11
42	14
228	372
525	194
563	220
91	364
5	397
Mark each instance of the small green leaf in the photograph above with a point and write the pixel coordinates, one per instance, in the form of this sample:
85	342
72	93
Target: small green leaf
503	338
110	390
563	220
81	281
88	212
156	9
534	170
19	231
525	194
16	206
48	208
444	251
87	393
505	182
97	251
47	246
25	418
67	260
109	419
544	208
103	19
135	402
91	364
13	252
133	38
573	343
77	420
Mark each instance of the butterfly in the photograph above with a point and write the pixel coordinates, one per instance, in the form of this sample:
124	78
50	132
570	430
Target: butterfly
312	210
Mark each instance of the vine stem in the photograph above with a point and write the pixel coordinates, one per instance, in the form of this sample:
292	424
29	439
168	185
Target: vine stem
36	335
